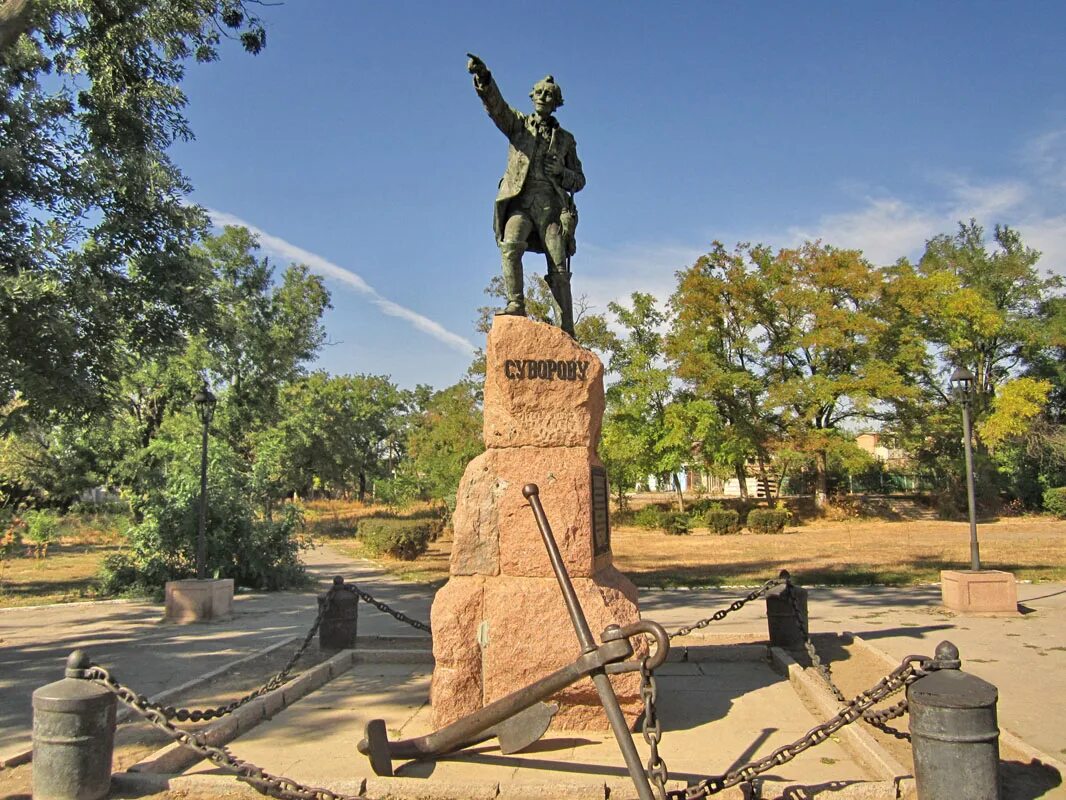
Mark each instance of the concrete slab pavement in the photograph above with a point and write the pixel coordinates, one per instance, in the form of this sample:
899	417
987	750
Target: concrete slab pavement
151	656
1025	656
715	715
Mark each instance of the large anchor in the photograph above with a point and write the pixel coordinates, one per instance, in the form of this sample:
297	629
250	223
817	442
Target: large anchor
521	718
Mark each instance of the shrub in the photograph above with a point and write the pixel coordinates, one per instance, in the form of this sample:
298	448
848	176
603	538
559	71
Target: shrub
405	539
676	524
767	520
648	517
722	520
256	553
10	539
1055	501
41	529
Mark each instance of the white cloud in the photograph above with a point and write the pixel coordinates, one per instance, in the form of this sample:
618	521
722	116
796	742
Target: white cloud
608	274
1046	154
287	250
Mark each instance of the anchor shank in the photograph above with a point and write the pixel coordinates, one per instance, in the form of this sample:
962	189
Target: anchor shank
577	616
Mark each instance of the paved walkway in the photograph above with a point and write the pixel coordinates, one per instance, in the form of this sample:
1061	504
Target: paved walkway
149	655
1024	656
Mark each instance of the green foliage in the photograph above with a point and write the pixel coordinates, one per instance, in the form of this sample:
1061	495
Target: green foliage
405	539
767	520
676	523
261	554
638	439
443	435
96	225
1055	501
648	517
722	520
42	529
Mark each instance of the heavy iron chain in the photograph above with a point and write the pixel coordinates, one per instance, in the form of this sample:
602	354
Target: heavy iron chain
823	669
652	731
273	785
380	606
909	670
203	714
735	606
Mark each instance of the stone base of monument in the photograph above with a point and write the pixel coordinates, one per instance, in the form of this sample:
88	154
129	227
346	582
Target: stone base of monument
196	600
500	622
491	637
987	591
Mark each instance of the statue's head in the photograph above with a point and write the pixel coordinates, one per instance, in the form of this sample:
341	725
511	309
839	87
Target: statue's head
546	95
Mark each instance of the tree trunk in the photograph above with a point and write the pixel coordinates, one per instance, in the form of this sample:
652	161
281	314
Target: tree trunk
362	486
764	479
821	479
14	18
680	495
742	479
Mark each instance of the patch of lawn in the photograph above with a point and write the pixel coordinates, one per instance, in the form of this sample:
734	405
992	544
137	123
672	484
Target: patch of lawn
69	571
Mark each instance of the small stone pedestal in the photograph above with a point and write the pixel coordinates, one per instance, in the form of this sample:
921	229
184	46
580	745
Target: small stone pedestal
500	622
987	591
195	600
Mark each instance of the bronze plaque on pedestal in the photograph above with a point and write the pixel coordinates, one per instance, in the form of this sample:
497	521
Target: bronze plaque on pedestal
601	522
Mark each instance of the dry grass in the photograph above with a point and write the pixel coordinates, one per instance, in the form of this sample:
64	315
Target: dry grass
853	552
850	552
69	571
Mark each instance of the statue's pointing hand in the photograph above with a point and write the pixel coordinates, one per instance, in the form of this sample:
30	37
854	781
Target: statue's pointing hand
476	67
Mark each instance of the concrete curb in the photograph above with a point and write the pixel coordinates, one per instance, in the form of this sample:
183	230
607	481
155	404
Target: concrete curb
25	755
860	744
175	757
75	604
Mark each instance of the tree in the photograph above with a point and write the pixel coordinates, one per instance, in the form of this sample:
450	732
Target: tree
334	433
444	435
714	344
635	429
95	232
830	349
986	307
262	334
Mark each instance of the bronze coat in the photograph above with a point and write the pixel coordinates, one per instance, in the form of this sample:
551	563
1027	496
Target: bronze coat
520	131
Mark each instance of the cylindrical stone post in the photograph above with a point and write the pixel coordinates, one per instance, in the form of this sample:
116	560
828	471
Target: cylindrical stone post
73	736
953	732
785	629
337	630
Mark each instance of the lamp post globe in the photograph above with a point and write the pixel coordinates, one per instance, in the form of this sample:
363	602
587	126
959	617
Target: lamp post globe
962	381
205	403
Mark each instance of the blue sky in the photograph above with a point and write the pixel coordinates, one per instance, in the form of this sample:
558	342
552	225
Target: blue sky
355	143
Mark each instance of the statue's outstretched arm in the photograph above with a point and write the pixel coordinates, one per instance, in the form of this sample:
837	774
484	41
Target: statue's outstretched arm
506	118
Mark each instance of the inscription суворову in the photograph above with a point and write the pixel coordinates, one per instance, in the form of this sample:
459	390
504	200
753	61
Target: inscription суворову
545	370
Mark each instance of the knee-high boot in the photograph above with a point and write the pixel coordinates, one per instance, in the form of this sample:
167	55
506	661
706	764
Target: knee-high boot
559	283
511	258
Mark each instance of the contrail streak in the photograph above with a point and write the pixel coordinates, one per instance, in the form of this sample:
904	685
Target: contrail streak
317	263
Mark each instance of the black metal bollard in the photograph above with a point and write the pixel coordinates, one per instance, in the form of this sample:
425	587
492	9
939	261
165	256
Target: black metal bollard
73	736
339	621
785	629
953	732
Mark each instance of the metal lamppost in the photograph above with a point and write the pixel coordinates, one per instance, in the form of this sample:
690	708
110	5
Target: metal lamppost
205	409
962	383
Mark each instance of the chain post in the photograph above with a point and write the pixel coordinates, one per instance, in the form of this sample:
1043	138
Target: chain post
339	627
73	736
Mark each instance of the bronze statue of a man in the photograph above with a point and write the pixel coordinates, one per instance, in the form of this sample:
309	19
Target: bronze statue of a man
535	204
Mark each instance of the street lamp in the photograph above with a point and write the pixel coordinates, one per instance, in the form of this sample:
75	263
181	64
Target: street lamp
205	409
962	383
